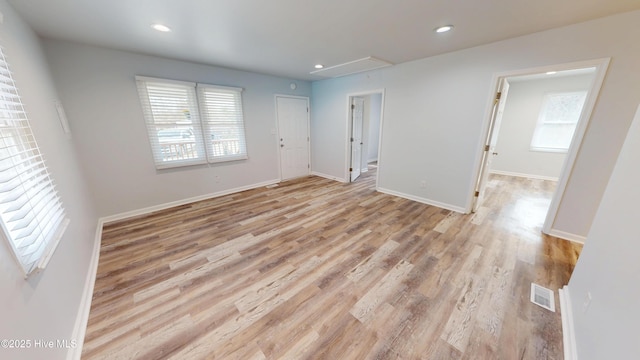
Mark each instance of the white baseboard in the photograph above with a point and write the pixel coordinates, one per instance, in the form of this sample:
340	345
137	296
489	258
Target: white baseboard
568	332
80	326
423	200
330	177
168	205
529	176
567	236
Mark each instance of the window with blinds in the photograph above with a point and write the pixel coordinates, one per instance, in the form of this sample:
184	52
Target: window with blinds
31	213
190	124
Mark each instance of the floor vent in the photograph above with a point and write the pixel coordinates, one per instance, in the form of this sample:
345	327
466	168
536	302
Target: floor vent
543	297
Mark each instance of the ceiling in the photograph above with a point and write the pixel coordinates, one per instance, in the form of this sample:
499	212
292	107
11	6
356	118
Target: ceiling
288	37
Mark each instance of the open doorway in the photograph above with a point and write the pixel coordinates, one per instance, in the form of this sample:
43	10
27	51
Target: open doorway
534	130
364	129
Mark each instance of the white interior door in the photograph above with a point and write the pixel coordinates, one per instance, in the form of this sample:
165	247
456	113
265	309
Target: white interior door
293	129
492	140
357	114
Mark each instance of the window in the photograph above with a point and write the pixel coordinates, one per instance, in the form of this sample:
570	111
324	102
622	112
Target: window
32	216
191	123
557	121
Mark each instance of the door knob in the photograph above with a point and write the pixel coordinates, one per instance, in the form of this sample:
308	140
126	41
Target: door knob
281	145
495	153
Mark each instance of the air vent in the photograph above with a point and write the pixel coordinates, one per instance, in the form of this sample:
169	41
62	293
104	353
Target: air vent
543	297
352	67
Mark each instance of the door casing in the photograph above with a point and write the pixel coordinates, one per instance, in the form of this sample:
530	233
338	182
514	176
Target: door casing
601	66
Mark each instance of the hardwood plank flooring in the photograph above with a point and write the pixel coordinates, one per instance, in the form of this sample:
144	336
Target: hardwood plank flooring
315	269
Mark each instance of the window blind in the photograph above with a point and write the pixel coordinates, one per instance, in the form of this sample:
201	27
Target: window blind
223	122
171	113
32	215
191	123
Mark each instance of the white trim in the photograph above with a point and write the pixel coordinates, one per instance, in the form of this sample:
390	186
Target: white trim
529	176
330	177
171	204
568	331
347	158
566	236
80	326
423	200
601	66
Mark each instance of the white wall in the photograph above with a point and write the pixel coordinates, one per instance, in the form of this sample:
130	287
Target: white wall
436	108
98	88
524	101
375	102
608	267
45	306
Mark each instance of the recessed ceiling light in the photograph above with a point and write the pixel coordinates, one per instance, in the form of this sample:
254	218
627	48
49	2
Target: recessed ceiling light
319	66
551	72
161	27
443	29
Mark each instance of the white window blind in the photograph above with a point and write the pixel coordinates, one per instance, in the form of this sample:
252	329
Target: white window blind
557	121
32	215
171	112
223	122
191	123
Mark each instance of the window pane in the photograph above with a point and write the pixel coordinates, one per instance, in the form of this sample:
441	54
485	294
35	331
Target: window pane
223	122
173	124
557	121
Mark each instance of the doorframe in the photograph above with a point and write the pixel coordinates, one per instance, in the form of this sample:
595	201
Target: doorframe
349	126
601	65
277	130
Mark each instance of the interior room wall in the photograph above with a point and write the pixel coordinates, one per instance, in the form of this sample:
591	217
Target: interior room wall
519	120
375	103
608	268
45	306
98	88
436	108
366	125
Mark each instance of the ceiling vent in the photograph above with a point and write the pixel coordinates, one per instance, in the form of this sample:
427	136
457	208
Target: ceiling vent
543	297
352	67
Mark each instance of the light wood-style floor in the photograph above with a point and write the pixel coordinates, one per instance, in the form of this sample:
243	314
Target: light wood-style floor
315	269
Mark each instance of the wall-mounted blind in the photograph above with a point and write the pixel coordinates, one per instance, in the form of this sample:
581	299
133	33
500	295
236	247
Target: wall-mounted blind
171	113
32	215
191	123
223	122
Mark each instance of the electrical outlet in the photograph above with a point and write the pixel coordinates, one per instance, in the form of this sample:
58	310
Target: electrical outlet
423	184
587	302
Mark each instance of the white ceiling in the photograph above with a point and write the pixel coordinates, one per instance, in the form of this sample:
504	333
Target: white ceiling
288	37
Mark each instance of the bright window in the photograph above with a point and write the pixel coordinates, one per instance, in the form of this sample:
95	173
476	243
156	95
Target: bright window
32	216
557	121
191	123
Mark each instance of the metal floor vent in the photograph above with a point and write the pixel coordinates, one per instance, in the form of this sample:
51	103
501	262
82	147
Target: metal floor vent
543	297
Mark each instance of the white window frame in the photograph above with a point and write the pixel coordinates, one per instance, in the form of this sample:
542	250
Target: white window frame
543	123
204	118
32	217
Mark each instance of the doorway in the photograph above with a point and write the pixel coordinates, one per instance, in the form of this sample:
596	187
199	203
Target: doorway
293	136
550	136
364	132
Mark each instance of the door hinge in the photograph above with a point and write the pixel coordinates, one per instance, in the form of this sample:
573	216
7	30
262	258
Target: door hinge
350	169
351	139
353	106
477	194
308	166
307	138
498	96
486	148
